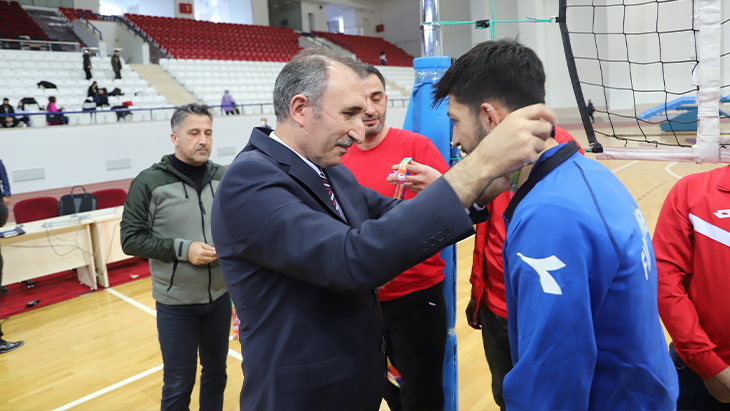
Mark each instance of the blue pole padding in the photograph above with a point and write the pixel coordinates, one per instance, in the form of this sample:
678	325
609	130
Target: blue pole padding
435	124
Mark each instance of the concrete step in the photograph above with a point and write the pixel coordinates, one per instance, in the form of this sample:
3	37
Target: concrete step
164	84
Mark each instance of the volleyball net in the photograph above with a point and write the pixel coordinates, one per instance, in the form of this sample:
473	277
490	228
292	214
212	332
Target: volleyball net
656	72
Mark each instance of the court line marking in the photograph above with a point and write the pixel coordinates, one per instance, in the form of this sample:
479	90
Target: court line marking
150	311
109	388
135	303
129	380
667	169
624	166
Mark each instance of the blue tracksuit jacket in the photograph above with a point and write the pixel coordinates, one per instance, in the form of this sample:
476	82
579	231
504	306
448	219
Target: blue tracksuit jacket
581	287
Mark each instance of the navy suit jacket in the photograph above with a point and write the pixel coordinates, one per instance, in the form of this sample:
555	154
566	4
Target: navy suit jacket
303	280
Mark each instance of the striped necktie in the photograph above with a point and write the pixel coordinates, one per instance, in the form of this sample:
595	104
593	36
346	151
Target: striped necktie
330	193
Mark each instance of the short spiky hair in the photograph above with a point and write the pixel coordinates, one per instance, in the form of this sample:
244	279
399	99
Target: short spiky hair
178	117
502	70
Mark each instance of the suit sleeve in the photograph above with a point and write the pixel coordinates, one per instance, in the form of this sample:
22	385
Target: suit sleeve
136	230
551	325
5	183
673	239
267	224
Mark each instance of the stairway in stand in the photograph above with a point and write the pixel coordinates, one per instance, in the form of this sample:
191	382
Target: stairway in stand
164	84
55	26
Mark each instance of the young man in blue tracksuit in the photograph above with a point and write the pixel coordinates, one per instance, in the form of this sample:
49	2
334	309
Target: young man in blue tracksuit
580	274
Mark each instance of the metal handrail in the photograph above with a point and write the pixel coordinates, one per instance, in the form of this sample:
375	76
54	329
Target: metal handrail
93	27
77	46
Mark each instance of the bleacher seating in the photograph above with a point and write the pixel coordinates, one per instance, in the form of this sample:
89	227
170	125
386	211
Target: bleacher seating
64	69
194	39
368	49
248	81
16	24
74	14
403	77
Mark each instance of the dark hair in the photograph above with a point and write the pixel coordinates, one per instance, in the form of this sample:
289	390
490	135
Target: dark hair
503	70
6	99
178	117
307	73
52	99
371	70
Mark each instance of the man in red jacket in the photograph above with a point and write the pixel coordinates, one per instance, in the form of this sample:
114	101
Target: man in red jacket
412	305
691	243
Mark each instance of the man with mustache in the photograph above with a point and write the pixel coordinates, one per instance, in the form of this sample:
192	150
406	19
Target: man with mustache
413	306
303	246
167	220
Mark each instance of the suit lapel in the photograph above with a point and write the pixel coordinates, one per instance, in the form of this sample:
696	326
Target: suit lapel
298	169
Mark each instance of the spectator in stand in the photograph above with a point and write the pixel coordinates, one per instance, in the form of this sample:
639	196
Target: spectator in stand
87	64
5	346
92	90
101	99
7	121
229	104
55	119
383	60
117	65
264	123
690	241
22	110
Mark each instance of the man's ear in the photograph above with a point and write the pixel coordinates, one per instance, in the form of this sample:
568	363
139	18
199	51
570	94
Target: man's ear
173	137
490	115
298	106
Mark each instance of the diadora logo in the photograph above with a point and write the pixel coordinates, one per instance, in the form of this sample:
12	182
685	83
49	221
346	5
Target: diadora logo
543	266
722	213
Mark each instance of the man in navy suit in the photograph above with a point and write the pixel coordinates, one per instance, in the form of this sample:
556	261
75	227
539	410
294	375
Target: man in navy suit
303	246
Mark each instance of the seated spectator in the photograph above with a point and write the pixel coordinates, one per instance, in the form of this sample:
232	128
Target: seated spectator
383	60
228	104
24	111
101	98
55	119
92	90
7	121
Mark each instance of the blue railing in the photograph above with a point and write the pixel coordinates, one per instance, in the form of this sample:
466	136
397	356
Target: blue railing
122	113
93	27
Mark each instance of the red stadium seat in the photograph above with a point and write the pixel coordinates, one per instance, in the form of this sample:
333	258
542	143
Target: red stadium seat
34	209
111	197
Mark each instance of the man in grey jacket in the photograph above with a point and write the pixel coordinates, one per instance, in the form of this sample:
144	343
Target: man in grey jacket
167	220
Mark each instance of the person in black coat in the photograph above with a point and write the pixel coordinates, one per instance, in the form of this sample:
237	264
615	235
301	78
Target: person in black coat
92	90
87	64
101	98
7	121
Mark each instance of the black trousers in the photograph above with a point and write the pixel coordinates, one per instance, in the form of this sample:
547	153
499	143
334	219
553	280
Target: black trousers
497	350
693	395
118	75
186	331
88	73
415	338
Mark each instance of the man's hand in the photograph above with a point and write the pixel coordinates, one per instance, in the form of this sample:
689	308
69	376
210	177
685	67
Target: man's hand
419	176
473	318
201	253
6	201
517	141
719	386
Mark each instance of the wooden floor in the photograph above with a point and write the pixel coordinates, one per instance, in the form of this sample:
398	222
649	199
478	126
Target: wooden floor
100	351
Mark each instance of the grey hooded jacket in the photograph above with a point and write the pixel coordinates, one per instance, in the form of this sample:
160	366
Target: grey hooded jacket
163	215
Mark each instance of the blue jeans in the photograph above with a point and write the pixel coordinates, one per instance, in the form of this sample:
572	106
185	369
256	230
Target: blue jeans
183	331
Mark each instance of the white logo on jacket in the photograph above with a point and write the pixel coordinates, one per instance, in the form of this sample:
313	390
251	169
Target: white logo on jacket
543	266
722	213
645	255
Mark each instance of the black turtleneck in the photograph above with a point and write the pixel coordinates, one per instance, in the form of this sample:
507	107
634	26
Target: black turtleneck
194	173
